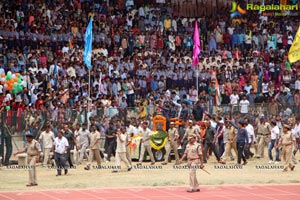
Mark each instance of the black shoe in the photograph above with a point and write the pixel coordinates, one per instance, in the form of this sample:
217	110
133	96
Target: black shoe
129	169
245	163
87	168
114	171
205	161
66	171
197	190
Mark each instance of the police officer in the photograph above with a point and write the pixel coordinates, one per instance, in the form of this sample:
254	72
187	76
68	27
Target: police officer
146	144
171	144
190	130
33	150
193	153
263	133
287	141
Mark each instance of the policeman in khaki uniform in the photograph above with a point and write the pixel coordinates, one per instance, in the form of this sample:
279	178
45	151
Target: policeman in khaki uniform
263	133
287	141
33	150
94	137
146	144
172	144
231	144
193	152
190	130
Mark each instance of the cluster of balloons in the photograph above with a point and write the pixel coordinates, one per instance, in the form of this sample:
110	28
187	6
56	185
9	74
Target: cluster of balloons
12	82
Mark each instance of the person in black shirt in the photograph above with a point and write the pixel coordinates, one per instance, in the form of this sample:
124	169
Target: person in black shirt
198	111
210	141
225	102
184	114
68	133
110	142
242	138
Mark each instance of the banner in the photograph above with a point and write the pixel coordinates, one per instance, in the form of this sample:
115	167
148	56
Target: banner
196	49
88	37
294	52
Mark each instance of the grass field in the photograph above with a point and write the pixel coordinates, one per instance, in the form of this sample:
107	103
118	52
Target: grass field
255	172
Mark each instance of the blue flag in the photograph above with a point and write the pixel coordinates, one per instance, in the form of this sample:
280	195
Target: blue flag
88	37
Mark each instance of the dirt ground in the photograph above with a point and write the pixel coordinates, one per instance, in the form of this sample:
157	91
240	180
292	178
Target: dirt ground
257	171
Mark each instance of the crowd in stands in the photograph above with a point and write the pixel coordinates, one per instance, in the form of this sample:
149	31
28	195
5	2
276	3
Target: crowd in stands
142	57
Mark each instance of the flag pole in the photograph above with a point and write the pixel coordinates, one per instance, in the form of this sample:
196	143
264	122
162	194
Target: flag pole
197	81
196	52
89	99
87	58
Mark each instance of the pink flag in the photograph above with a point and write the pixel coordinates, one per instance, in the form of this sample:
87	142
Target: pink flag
196	49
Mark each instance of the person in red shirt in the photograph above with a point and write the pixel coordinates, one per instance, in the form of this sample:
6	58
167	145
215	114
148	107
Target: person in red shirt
38	102
160	43
226	39
17	108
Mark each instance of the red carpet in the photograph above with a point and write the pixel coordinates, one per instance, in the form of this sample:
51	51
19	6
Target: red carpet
229	192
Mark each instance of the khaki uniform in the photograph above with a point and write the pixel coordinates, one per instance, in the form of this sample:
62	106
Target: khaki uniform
121	151
287	141
47	139
263	132
33	149
146	145
94	150
193	152
172	144
231	144
190	132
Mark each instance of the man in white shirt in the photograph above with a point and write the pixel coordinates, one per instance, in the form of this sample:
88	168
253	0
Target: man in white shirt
60	147
146	144
244	104
46	138
275	133
83	135
297	83
234	99
296	135
121	150
251	139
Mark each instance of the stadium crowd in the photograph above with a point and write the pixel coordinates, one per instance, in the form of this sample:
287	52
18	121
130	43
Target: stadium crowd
142	57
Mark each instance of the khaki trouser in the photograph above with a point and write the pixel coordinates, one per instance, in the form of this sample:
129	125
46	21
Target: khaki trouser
46	153
31	161
227	152
287	152
95	152
128	153
169	146
143	149
262	141
121	156
194	185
